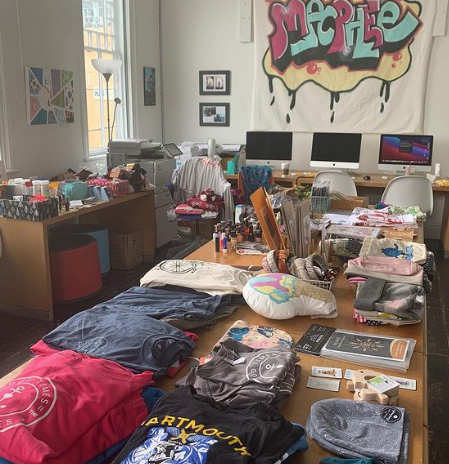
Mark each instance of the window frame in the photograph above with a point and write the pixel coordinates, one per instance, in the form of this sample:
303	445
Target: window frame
121	52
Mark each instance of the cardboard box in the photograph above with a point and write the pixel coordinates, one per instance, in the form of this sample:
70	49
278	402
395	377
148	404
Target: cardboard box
350	203
125	249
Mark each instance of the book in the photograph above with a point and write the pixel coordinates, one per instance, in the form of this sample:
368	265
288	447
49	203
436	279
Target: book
314	339
372	350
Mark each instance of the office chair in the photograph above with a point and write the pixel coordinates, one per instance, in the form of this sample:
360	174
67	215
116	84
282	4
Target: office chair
339	182
410	191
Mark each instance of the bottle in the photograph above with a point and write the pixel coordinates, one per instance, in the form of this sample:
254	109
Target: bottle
25	186
225	244
36	187
233	239
251	233
18	186
216	238
259	236
240	237
45	188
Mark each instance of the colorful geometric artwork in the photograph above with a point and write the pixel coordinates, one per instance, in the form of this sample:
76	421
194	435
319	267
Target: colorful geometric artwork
49	96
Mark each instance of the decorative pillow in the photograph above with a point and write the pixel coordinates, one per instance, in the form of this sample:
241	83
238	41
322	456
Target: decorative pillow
282	296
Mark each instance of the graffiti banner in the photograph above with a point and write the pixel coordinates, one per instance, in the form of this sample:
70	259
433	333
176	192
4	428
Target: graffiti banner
341	65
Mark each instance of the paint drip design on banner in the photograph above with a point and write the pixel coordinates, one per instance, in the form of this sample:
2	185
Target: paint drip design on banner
339	43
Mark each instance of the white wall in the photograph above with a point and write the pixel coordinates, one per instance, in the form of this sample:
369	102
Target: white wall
51	33
145	51
52	36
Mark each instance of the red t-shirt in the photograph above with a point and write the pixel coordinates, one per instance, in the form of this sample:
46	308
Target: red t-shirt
66	408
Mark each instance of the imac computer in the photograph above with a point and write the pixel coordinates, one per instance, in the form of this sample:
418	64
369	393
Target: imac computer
268	147
397	152
333	150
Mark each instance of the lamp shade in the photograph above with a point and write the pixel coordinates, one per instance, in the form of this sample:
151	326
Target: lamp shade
106	66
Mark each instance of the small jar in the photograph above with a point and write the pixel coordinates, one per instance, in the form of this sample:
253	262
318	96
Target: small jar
36	187
45	188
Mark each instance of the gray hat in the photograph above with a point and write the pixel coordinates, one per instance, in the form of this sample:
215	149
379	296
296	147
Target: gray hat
360	430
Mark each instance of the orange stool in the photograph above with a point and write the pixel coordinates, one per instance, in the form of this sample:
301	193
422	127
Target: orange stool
75	267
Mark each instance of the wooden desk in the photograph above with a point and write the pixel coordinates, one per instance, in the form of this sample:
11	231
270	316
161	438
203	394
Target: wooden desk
377	183
289	180
25	278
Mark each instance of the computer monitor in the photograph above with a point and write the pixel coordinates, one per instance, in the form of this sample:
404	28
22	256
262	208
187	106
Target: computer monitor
399	151
332	150
268	147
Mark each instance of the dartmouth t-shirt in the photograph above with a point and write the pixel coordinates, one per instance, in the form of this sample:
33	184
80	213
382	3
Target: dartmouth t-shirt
187	428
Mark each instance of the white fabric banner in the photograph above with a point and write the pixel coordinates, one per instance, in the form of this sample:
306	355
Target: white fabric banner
341	65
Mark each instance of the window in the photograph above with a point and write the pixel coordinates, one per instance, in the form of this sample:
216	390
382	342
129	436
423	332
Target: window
104	38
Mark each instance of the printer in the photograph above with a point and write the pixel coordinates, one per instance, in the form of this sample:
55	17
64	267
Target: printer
159	165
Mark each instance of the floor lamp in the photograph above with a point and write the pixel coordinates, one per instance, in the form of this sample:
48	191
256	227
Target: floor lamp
107	68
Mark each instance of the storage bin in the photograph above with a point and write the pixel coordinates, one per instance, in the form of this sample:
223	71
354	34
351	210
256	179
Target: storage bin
125	249
29	211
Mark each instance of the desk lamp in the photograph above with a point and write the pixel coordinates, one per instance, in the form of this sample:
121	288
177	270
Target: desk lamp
107	68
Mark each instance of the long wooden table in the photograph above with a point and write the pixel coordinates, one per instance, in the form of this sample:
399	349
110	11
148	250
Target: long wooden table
25	276
298	406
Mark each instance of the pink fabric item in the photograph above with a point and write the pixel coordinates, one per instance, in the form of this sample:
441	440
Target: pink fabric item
66	408
389	269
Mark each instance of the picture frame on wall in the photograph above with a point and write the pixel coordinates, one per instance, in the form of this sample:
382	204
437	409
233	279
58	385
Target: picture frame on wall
215	82
149	86
215	114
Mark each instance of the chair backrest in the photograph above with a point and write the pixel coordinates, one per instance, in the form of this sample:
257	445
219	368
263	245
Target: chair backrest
339	182
410	191
252	178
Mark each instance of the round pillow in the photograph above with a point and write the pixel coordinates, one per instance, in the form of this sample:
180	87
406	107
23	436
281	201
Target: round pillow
283	296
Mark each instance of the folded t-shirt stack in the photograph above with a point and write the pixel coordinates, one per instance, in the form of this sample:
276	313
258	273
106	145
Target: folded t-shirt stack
183	308
211	278
388	269
360	430
67	408
394	248
392	303
186	427
129	338
238	375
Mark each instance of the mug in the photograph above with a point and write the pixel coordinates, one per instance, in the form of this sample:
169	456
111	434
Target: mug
285	167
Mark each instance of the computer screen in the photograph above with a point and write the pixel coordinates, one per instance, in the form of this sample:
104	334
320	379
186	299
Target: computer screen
336	150
268	146
405	150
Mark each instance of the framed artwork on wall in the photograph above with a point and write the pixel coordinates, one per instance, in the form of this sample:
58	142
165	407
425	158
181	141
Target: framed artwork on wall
49	96
214	114
149	86
215	82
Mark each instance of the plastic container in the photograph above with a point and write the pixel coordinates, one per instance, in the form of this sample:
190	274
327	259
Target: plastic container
36	187
45	188
18	186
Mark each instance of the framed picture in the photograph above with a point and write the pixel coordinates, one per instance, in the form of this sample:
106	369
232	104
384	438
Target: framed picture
215	82
149	86
214	114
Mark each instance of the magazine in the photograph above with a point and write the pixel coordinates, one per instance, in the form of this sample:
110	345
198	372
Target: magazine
353	231
314	339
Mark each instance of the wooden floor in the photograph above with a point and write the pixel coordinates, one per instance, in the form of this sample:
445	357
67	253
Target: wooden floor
17	335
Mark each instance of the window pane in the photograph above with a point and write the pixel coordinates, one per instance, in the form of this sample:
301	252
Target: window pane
103	33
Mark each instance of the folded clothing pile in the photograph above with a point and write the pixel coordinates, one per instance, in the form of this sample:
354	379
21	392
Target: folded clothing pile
186	210
388	269
360	430
207	201
188	427
392	303
238	375
180	307
130	339
211	278
393	248
381	218
67	408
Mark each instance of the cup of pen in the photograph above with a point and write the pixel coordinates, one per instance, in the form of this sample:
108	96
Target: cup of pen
285	168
